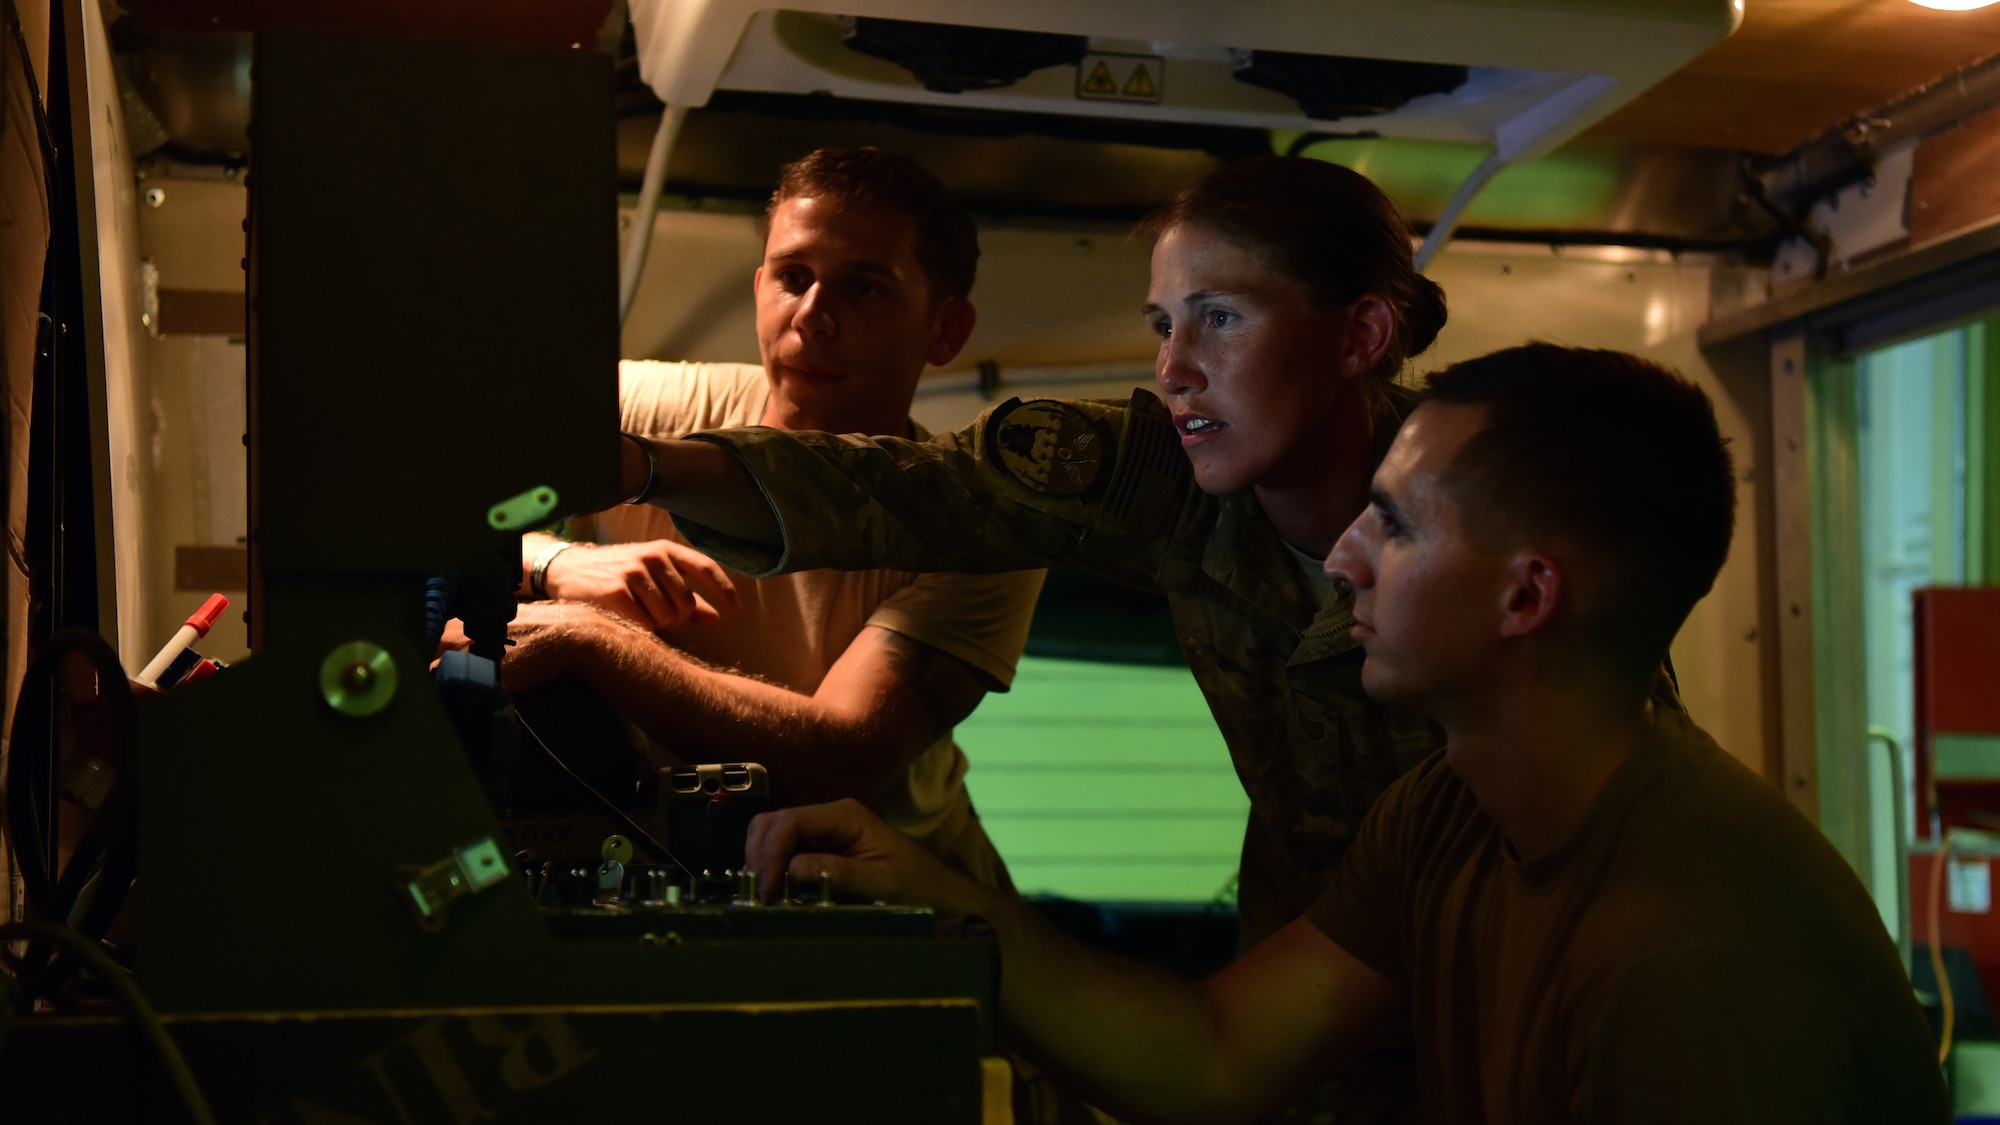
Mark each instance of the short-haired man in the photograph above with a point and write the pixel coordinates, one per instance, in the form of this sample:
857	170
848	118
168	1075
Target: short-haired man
1580	909
843	684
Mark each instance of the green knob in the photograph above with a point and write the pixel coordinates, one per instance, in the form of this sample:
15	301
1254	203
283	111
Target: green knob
357	679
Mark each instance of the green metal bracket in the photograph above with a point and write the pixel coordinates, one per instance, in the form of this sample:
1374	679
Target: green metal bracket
466	871
518	513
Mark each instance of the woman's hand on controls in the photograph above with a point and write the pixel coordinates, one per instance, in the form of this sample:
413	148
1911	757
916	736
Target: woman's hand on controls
660	584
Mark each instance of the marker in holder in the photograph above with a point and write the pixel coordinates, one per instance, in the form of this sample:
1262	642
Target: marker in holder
196	628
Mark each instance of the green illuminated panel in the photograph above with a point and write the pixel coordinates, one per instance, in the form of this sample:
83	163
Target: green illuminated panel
1574	186
1106	781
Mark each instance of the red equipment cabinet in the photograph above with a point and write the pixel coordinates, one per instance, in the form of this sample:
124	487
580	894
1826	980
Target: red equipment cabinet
1958	708
1957	649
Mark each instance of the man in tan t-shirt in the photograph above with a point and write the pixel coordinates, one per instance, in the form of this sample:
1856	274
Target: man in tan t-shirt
1580	909
842	684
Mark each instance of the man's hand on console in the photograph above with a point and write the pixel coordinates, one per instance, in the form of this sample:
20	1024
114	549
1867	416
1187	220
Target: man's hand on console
865	858
547	639
661	584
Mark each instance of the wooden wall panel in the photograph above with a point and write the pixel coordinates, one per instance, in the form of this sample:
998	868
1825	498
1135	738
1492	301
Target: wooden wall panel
1956	181
202	312
1796	68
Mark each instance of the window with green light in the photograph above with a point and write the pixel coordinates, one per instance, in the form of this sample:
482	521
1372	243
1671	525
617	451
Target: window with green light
1105	779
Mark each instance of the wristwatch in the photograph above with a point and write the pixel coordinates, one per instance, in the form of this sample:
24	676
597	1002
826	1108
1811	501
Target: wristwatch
538	573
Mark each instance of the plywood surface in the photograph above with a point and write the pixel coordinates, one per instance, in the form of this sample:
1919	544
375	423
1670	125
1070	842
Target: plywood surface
1956	180
1796	68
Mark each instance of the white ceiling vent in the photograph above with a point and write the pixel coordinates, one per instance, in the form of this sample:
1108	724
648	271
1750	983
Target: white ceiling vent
1519	75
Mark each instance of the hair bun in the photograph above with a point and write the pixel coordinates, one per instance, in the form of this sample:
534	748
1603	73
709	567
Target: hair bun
1426	313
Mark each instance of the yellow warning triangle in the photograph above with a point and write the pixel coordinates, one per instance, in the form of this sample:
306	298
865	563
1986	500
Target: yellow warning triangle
1140	85
1100	80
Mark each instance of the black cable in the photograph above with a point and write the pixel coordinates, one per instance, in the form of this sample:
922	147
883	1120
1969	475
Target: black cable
107	837
31	739
129	997
34	94
21	822
112	837
51	894
119	816
603	805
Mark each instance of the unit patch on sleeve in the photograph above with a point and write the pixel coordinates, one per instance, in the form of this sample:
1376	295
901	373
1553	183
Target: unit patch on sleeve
1048	446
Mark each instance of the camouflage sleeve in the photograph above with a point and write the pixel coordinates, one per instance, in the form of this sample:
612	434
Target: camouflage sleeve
1101	485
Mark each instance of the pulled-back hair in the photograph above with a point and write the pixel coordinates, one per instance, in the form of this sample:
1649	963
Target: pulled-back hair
1327	227
947	241
1613	456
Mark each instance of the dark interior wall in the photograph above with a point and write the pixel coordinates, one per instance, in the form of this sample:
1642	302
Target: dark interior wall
24	239
24	235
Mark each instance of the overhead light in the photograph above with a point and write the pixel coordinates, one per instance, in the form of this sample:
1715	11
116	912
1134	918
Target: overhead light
1953	5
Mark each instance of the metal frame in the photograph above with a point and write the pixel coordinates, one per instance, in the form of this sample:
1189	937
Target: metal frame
1812	336
1792	560
90	228
1840	747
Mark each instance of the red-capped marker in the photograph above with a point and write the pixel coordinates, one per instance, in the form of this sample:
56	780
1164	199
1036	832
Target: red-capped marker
197	627
204	619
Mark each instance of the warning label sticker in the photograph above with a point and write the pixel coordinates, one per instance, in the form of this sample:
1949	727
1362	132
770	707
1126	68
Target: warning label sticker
1121	78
